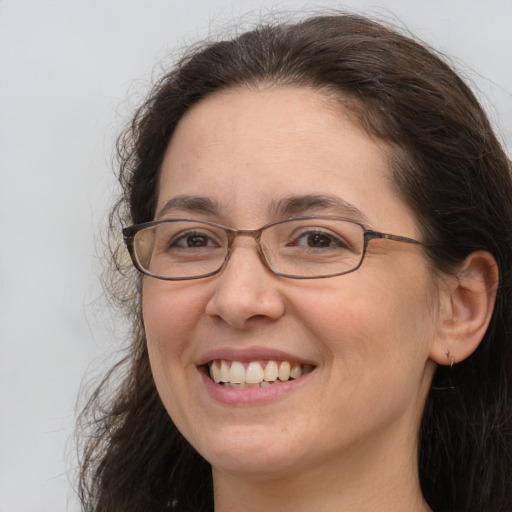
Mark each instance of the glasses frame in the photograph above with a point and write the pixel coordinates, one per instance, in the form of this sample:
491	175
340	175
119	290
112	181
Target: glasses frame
232	233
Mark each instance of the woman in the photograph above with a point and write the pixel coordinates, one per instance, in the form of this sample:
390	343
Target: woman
355	357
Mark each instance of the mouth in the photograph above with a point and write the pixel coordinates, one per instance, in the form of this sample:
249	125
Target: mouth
255	374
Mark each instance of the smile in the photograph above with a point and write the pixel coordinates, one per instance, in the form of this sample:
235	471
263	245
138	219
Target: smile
255	374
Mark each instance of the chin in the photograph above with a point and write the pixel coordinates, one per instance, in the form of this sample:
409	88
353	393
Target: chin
251	451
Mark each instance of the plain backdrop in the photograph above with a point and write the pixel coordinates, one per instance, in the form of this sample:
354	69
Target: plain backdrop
71	73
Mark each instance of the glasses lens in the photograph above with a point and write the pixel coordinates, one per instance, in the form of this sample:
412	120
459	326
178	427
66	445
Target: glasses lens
180	249
313	247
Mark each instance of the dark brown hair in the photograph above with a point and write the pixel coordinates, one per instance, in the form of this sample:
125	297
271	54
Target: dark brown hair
447	164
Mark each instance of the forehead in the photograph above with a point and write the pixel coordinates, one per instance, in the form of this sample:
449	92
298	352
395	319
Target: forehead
248	149
277	119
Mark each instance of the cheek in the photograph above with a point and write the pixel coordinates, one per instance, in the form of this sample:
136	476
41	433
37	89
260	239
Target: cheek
367	323
170	311
376	337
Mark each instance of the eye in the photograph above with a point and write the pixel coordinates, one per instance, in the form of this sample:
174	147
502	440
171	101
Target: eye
317	239
193	239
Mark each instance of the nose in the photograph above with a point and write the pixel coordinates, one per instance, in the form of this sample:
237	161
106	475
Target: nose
246	292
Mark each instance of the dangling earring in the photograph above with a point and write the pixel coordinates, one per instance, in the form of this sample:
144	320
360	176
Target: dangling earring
450	357
448	376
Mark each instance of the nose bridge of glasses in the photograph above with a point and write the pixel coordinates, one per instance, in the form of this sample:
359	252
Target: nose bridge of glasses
255	234
233	234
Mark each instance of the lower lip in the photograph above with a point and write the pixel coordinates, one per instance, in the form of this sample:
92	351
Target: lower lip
250	396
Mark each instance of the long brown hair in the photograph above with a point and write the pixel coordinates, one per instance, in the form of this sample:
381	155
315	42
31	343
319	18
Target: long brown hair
447	164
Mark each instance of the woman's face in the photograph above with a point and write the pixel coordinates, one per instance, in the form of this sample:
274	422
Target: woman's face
236	158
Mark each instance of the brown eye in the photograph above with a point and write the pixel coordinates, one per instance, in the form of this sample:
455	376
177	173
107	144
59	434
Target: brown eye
319	240
193	240
196	241
316	239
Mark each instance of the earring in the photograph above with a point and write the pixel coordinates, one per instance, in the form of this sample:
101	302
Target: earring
448	376
450	357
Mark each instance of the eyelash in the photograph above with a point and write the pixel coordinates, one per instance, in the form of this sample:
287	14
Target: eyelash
175	241
340	242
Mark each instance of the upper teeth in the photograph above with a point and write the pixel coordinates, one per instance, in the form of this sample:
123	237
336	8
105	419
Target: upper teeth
255	372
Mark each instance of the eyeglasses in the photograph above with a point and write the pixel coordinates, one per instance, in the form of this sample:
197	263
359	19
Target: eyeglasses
299	248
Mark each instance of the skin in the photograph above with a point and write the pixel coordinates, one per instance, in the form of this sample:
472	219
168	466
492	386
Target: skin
346	437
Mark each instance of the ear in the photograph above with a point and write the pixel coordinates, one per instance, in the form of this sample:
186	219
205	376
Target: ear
466	305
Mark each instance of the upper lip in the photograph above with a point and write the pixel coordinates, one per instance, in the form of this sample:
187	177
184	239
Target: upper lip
245	355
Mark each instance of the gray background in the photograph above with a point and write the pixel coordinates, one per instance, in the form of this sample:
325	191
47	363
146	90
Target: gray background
70	74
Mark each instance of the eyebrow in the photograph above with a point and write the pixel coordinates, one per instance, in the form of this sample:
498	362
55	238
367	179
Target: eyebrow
195	204
316	203
289	206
